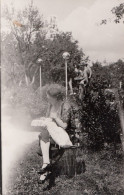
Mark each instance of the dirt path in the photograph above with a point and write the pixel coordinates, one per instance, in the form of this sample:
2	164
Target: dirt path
15	140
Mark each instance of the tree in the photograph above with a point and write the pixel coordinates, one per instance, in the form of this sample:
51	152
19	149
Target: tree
26	29
53	63
61	43
34	37
100	77
118	12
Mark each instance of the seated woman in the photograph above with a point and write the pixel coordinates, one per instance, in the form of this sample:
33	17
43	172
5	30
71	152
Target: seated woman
61	112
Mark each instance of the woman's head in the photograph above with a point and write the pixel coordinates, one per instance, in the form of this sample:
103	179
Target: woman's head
55	93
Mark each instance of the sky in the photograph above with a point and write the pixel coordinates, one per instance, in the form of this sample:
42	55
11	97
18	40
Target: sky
82	18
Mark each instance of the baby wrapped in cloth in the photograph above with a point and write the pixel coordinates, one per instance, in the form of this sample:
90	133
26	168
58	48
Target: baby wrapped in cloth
58	134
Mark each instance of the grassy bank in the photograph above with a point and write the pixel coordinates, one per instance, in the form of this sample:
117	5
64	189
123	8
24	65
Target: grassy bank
104	175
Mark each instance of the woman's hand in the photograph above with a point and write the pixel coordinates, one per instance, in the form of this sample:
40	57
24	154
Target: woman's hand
60	123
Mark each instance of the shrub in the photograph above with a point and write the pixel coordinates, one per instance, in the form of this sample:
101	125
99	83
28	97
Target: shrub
100	118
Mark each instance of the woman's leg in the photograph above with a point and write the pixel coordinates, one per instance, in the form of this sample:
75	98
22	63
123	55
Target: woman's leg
45	152
45	145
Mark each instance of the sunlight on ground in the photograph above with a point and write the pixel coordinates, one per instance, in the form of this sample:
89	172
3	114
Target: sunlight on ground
14	142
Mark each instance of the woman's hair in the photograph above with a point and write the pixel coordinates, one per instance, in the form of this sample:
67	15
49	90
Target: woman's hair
56	91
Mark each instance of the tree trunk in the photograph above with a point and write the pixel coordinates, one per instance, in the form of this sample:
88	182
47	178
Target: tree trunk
26	80
70	164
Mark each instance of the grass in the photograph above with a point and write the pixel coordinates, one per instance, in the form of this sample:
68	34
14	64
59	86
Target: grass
104	175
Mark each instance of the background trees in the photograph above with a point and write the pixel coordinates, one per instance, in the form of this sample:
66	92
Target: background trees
24	31
118	11
32	37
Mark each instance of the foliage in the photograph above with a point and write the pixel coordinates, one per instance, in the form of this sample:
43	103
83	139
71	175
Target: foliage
51	54
36	38
26	31
99	111
116	71
62	42
118	13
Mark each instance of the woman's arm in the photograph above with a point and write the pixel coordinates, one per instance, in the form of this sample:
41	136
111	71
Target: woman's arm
65	115
60	123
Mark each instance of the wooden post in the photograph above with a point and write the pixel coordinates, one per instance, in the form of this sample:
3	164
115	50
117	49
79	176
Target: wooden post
39	61
40	79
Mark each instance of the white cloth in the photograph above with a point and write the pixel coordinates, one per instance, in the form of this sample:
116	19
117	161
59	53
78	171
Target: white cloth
58	134
41	122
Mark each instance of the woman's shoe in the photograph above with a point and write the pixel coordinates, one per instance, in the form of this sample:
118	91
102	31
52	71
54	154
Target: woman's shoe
44	177
45	169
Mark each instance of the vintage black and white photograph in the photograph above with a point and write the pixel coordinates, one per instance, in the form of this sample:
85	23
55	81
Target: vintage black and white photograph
62	97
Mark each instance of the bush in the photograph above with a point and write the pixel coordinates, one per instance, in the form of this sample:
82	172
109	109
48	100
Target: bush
100	118
91	110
